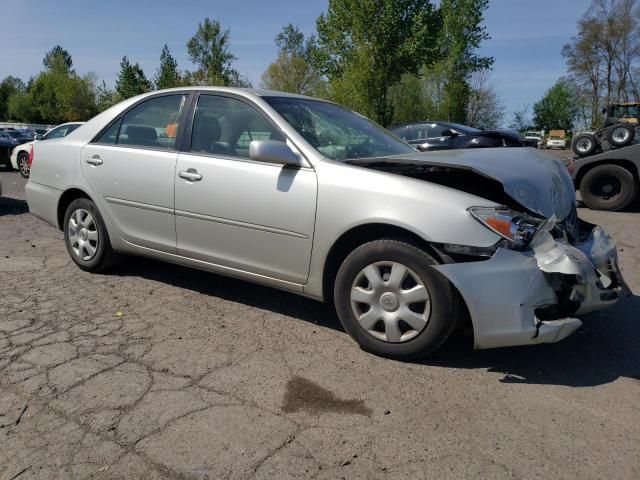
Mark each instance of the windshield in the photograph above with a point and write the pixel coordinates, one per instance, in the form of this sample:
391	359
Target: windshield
15	134
335	132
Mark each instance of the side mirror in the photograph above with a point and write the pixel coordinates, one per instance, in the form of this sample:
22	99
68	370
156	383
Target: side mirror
449	133
38	136
273	151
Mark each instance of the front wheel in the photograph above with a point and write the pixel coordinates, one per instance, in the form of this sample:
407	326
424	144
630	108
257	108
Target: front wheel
86	237
608	187
392	301
23	164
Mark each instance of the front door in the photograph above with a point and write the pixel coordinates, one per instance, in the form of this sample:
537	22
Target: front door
235	212
131	169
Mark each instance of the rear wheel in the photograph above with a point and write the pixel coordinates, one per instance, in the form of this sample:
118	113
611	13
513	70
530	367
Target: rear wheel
621	134
392	302
584	145
608	187
23	164
86	237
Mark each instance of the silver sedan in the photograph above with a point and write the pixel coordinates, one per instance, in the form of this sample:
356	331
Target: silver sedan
306	196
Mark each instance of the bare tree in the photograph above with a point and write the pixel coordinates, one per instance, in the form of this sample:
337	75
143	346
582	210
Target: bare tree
603	57
485	108
521	119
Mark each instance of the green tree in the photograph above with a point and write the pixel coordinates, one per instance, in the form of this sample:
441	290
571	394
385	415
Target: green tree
19	108
105	97
365	46
167	75
293	70
57	94
58	58
557	109
9	87
208	49
461	35
410	101
131	80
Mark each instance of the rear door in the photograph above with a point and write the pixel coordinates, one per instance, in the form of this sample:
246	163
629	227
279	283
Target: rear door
131	168
232	211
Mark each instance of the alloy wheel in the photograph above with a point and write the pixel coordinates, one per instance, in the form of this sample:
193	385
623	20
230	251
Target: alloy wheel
23	165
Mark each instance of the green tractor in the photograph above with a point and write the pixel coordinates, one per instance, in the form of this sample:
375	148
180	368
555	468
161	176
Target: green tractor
619	130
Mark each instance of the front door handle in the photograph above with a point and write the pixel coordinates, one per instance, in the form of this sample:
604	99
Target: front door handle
191	174
95	160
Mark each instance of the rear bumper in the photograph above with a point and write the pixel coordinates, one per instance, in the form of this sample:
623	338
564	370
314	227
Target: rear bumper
522	298
43	201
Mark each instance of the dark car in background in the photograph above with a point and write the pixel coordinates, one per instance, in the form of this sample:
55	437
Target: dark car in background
429	136
9	139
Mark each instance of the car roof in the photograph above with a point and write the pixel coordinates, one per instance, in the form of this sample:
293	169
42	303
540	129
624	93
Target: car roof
242	91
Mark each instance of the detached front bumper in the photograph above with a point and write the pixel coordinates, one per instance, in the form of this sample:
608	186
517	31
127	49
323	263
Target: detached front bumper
523	298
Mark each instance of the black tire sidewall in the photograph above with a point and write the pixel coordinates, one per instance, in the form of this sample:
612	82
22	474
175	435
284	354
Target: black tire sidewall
441	320
629	187
104	251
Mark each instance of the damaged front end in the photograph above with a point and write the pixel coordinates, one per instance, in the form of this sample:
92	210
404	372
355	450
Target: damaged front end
533	295
549	267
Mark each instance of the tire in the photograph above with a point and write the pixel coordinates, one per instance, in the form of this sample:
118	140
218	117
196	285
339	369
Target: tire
23	164
621	134
608	187
378	326
584	145
98	256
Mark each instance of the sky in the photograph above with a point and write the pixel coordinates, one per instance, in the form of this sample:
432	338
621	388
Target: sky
526	36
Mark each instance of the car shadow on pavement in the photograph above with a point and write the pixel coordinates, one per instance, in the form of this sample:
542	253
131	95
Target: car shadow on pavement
231	289
602	350
12	206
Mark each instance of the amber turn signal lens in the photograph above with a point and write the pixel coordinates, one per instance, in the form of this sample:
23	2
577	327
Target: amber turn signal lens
501	226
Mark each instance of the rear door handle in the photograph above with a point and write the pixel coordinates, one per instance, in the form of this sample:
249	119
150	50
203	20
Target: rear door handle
191	174
95	160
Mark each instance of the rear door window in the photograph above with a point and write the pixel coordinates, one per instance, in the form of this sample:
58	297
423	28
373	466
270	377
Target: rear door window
151	124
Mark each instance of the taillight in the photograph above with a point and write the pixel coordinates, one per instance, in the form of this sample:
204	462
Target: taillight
30	156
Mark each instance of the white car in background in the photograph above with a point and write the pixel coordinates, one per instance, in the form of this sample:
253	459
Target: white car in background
20	154
533	139
556	139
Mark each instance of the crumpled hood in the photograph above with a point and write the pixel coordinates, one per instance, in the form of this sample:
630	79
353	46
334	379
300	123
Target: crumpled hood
535	181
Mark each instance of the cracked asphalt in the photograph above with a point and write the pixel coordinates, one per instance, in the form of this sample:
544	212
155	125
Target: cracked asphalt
155	371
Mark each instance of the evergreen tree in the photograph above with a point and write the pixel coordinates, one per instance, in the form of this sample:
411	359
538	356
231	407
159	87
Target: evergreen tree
167	75
131	80
58	58
209	50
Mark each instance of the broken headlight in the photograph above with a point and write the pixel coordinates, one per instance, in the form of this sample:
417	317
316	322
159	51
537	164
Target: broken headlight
516	227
